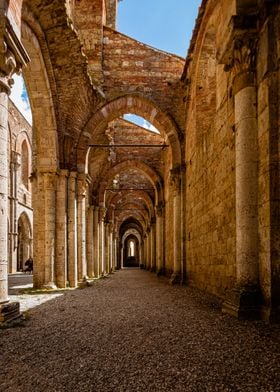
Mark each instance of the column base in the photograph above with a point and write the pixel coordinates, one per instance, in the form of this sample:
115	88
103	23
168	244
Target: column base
159	272
270	314
244	302
83	282
141	266
175	278
153	269
10	315
50	286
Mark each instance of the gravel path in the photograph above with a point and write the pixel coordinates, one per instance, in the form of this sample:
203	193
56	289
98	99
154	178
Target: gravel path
133	332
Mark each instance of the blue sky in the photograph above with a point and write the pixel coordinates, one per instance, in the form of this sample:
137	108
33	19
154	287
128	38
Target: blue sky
163	24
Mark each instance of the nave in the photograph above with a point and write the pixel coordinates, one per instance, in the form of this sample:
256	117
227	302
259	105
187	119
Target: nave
135	332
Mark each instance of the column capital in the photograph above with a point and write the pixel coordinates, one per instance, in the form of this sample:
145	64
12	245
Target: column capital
238	51
82	184
13	55
102	213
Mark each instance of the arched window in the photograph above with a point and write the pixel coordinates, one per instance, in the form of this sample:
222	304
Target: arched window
131	248
24	164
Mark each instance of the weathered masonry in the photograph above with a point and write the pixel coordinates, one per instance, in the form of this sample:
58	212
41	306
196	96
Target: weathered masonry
197	201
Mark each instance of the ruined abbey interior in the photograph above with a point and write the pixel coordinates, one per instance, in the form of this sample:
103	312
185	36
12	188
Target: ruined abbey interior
197	200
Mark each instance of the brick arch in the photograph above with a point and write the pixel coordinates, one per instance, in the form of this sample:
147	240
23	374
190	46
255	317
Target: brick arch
141	221
133	104
145	199
152	176
132	202
36	77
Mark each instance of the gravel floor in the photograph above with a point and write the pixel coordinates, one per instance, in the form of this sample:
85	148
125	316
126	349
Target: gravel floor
133	332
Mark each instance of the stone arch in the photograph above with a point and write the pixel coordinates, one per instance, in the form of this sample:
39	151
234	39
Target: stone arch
36	77
127	205
152	176
205	84
134	104
24	248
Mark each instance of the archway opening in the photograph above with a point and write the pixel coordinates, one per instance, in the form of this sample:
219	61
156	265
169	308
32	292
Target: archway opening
131	252
24	249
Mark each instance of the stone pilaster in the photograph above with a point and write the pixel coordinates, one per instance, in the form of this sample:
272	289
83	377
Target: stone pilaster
175	181
61	229
106	248
49	183
148	259
147	251
81	227
102	266
115	253
72	230
159	240
153	245
90	240
245	299
96	241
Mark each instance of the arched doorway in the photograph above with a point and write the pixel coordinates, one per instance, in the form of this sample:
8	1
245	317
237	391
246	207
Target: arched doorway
24	249
131	252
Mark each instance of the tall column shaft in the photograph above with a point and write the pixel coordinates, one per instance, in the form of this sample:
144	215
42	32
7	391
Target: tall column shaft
3	196
106	248
81	228
159	244
49	180
153	247
245	299
177	233
246	187
90	259
96	242
101	247
72	230
61	230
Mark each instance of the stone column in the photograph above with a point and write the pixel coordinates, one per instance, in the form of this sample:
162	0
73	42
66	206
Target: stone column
96	241
106	248
245	299
102	266
49	181
12	58
148	259
122	251
81	227
90	240
159	240
177	248
4	170
15	165
145	251
72	230
115	253
153	245
61	229
110	249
